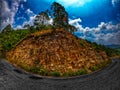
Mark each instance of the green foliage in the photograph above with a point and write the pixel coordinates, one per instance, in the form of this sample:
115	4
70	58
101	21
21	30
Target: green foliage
93	68
82	44
60	15
41	19
56	73
44	72
71	28
43	27
100	66
109	51
76	73
10	39
8	28
81	72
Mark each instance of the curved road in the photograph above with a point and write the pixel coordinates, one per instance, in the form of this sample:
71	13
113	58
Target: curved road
12	78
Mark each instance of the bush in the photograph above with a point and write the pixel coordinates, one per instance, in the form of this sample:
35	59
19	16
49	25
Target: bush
56	73
76	73
93	68
82	71
82	44
10	39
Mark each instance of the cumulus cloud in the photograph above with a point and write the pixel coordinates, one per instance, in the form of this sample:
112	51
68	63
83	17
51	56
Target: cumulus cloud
29	12
31	20
104	33
67	3
8	12
31	15
76	3
75	21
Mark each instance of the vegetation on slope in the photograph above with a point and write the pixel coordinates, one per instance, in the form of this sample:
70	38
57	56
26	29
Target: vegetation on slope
52	49
57	52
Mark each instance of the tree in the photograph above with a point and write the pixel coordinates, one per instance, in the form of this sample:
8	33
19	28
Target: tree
26	25
8	28
60	16
42	19
71	28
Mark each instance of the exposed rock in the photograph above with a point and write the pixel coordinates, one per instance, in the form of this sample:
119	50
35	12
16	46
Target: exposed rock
59	50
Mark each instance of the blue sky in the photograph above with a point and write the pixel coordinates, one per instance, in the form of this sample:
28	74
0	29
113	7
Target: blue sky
96	20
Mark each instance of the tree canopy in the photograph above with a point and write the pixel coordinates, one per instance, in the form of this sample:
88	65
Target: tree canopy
42	19
60	16
8	28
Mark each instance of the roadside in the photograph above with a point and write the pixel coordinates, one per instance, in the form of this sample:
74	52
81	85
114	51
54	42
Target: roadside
14	79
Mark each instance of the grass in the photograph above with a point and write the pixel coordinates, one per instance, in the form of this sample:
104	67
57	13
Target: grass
99	66
93	68
75	73
44	72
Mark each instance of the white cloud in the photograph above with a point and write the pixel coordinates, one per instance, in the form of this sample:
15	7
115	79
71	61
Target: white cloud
75	21
73	3
31	21
105	33
8	12
50	21
29	12
19	27
76	3
31	16
114	2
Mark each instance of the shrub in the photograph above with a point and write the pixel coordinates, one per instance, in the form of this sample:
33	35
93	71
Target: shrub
93	68
76	73
82	71
56	74
10	39
82	44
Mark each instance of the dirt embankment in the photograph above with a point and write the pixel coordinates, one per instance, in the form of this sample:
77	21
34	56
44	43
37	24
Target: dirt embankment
56	51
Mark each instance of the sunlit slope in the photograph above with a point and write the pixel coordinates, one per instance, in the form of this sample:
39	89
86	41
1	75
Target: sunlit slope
57	51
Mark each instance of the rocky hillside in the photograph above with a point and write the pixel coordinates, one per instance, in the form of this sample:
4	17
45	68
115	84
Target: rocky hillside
56	51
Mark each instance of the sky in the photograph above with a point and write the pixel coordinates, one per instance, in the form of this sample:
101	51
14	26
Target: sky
95	20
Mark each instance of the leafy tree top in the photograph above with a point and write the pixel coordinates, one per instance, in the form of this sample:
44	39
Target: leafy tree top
60	16
8	28
42	18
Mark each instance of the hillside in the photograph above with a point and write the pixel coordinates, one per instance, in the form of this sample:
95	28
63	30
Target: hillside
57	52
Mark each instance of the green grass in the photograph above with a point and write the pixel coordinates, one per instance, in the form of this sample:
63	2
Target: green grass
93	68
76	73
44	72
100	66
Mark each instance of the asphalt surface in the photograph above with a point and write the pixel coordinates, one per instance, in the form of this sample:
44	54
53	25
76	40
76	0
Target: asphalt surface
12	78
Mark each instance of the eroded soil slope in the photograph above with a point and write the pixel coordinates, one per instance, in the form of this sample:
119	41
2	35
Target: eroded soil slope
56	51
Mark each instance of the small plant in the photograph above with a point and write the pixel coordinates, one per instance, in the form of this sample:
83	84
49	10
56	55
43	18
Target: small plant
93	68
82	44
42	72
56	74
35	69
82	72
76	73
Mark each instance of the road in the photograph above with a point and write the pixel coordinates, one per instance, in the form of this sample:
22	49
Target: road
12	78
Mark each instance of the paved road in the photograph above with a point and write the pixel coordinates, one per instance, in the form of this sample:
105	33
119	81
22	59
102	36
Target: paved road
15	79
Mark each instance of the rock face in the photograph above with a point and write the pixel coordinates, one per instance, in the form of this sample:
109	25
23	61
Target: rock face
56	51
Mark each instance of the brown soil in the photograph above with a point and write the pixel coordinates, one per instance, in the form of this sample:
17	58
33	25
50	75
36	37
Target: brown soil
56	51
